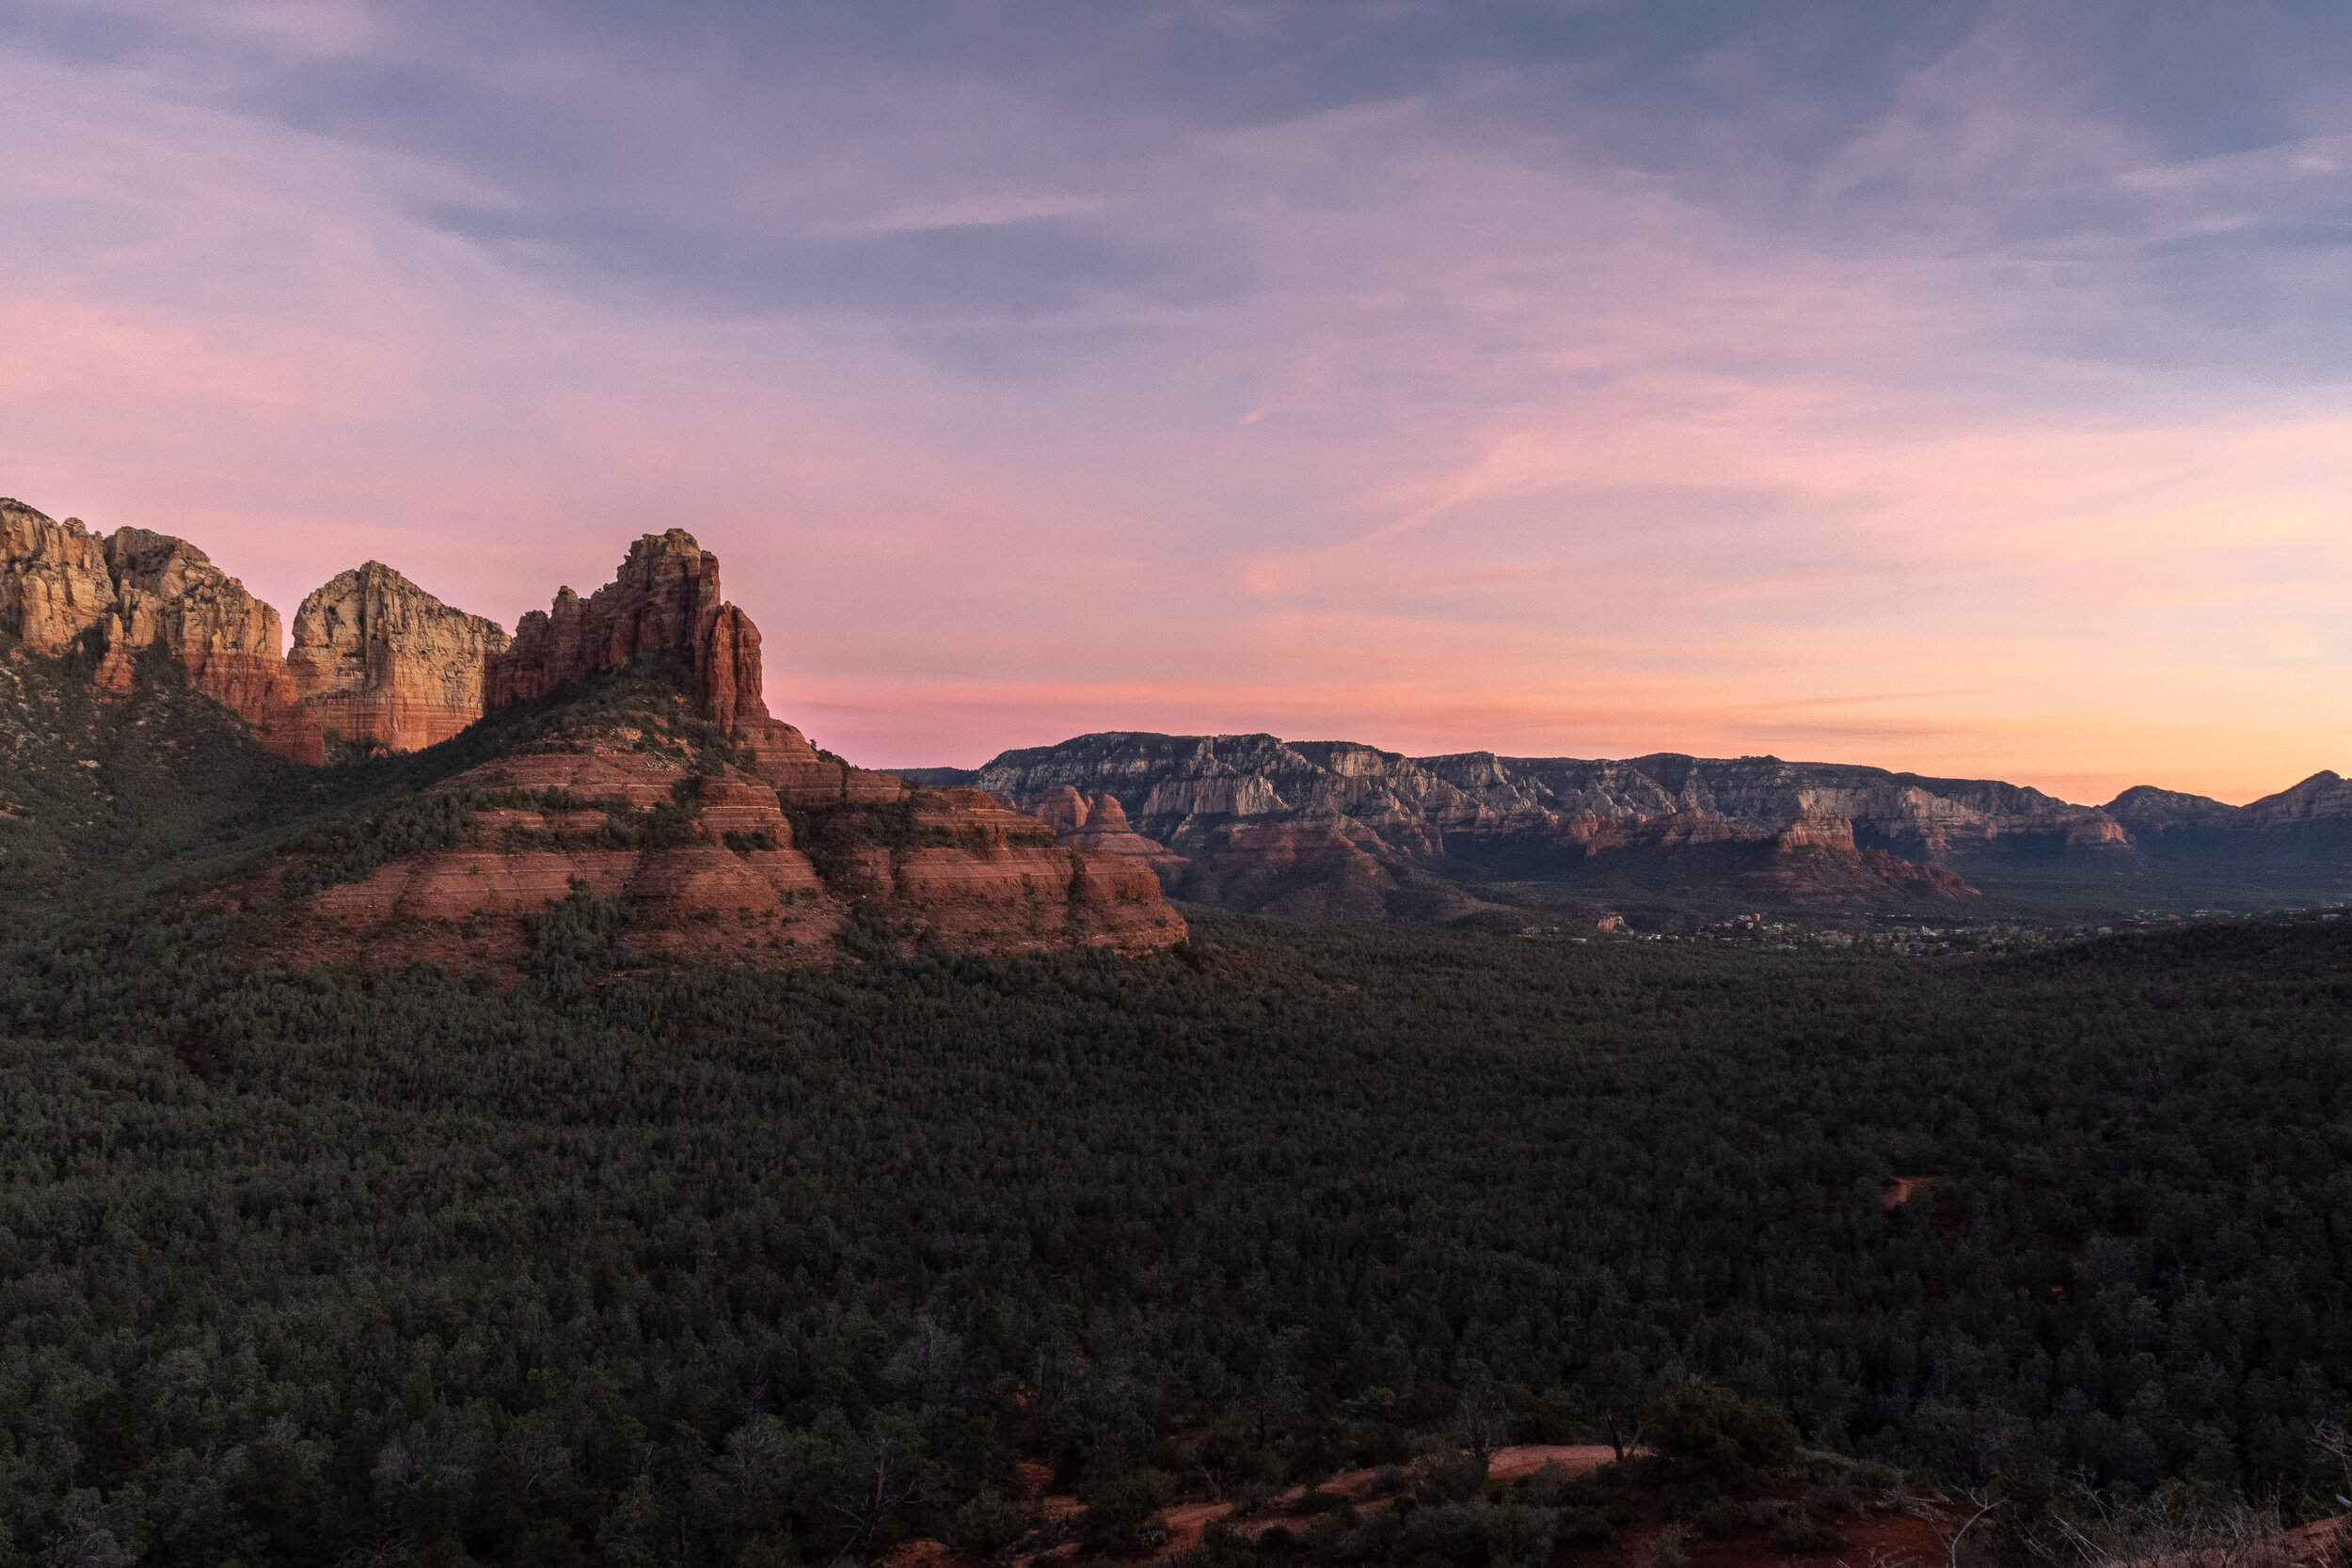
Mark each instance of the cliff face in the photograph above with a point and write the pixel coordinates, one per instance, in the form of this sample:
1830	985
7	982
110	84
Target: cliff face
375	655
1805	833
1809	834
2323	798
726	835
665	598
1177	785
1809	831
169	594
1102	824
55	582
138	589
2146	811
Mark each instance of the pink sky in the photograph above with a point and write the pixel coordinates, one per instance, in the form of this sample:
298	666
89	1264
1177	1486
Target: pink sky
1451	431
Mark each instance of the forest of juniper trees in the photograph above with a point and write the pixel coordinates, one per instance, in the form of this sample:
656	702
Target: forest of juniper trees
632	1266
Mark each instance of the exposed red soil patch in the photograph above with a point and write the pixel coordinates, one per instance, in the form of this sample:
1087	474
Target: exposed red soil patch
923	1552
1186	1521
1882	1536
1874	1536
1902	1189
2323	1543
1577	1459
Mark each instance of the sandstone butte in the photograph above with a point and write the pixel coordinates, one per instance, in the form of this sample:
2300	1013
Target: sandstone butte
378	658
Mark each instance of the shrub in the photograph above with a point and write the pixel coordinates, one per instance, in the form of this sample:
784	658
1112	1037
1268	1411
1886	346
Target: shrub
1223	1546
1831	1497
1587	1527
1712	1434
1545	1487
988	1523
1382	1532
1452	1534
1452	1478
1326	1541
1800	1535
1715	1521
1516	1533
1123	1517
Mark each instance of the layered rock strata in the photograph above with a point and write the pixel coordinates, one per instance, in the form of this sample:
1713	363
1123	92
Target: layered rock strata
2146	811
138	589
377	657
1102	824
730	878
756	848
55	582
1176	787
2324	797
1805	832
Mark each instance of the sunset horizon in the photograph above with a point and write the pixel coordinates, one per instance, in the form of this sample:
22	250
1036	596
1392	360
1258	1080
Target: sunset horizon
1196	783
1960	394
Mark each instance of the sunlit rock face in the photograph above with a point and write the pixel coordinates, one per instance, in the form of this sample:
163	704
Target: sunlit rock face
138	589
377	657
730	838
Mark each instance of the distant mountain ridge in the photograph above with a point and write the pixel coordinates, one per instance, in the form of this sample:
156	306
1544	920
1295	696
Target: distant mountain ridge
1341	816
1247	821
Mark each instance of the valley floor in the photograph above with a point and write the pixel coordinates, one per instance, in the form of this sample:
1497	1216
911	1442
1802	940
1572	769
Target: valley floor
643	1262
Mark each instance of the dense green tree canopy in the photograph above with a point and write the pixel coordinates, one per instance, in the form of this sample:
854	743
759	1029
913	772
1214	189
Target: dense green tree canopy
680	1263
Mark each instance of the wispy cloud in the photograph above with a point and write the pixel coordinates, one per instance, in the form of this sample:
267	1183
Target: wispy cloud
1967	392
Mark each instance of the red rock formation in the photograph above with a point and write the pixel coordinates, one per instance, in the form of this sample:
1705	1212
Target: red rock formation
139	590
989	877
1813	862
596	805
665	598
377	657
1103	825
805	776
168	592
1063	809
54	584
962	867
1817	830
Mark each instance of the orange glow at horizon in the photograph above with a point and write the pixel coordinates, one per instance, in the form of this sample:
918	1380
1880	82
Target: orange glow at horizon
1485	454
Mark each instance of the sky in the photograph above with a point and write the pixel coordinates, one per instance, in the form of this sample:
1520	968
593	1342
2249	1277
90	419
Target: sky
1963	388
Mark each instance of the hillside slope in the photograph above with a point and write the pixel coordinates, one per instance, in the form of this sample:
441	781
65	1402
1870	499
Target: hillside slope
626	759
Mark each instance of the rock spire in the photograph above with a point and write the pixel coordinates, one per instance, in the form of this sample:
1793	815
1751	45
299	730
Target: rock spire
664	598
